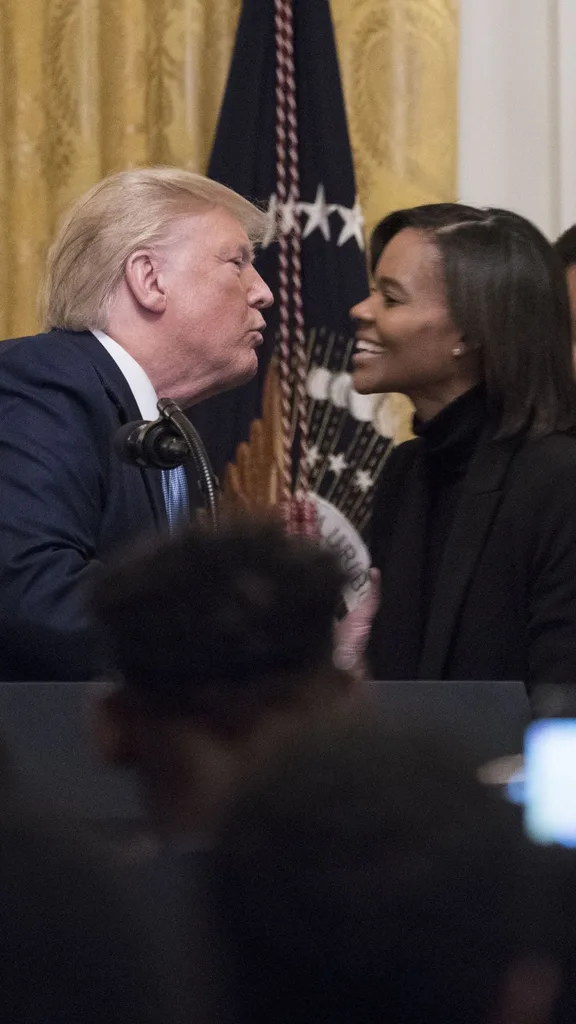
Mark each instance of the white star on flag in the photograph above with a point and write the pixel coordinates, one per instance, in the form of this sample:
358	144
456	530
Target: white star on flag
362	481
313	455
287	219
271	221
353	224
337	464
281	219
317	214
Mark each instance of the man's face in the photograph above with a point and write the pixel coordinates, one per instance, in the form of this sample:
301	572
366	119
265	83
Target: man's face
212	322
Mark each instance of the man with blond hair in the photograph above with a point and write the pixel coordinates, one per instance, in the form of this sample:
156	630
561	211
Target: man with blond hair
150	292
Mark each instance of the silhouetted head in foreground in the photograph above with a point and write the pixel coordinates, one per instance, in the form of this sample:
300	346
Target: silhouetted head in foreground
368	877
224	644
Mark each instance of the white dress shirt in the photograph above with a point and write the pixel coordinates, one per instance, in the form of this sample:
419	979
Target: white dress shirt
174	485
137	379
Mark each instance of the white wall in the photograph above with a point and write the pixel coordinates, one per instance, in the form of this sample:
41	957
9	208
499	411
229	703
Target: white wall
567	110
517	108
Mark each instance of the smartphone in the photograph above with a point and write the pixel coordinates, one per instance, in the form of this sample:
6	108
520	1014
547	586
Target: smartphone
550	781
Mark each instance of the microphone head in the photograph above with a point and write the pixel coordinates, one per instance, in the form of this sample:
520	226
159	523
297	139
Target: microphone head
153	443
126	441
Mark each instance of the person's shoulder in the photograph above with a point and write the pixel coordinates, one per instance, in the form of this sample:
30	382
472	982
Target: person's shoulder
60	373
548	455
543	472
56	358
48	348
401	458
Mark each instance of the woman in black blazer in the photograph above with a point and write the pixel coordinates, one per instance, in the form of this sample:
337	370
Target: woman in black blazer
474	523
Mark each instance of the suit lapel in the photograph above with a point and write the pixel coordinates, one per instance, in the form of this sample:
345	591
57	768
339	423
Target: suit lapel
481	497
153	483
118	391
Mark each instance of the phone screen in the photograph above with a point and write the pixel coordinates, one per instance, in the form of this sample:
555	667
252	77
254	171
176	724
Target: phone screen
550	781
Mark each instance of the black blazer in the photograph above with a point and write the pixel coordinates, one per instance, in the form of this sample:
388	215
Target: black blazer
504	606
67	502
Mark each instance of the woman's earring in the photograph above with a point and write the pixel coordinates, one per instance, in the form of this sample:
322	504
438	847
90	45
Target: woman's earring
456	352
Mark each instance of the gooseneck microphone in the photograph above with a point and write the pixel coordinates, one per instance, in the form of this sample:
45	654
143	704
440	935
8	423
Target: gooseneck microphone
166	443
151	443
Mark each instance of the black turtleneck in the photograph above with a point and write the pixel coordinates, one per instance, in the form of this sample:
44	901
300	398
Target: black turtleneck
450	440
412	520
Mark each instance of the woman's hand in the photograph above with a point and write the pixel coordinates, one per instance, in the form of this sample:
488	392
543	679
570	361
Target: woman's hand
352	632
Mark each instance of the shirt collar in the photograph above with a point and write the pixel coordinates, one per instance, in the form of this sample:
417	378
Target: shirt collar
137	379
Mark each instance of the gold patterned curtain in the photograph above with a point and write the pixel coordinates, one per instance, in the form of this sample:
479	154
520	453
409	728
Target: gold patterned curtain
88	87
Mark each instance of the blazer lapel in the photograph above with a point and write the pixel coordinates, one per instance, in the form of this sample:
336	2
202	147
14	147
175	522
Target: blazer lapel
120	394
153	482
481	496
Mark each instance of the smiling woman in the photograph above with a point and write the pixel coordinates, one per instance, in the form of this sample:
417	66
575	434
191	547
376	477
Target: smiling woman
473	528
407	336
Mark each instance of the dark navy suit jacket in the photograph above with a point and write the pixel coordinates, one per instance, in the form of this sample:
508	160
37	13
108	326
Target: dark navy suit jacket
67	502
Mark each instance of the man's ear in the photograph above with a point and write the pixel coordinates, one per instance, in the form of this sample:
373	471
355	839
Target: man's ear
144	279
528	993
114	728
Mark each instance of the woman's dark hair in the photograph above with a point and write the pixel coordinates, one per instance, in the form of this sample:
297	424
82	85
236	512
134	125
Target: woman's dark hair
565	246
507	294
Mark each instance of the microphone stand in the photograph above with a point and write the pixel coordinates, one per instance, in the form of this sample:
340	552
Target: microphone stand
186	430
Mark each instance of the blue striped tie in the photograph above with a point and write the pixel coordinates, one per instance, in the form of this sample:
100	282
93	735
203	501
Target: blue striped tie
175	487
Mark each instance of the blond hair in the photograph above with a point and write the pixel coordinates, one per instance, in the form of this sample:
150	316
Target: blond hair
123	213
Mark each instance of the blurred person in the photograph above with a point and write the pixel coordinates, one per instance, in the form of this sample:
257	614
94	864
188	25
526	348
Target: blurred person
473	527
150	292
367	877
557	872
74	946
224	645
